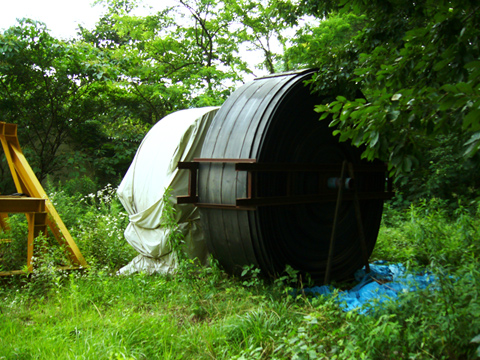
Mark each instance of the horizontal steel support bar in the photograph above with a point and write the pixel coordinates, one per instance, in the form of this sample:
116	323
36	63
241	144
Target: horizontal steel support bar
188	165
225	206
187	199
309	199
251	166
294	167
226	161
253	203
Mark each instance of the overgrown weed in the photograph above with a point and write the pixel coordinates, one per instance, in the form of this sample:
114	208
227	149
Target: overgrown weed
202	313
425	233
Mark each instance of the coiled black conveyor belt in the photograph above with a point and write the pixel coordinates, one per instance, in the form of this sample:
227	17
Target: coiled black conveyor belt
272	120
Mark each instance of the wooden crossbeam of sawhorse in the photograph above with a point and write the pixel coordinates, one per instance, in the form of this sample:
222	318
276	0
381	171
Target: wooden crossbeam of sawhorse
37	206
34	209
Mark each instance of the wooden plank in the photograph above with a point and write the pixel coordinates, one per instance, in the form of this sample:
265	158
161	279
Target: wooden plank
12	205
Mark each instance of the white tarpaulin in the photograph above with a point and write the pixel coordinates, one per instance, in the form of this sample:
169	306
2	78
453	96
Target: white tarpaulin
177	137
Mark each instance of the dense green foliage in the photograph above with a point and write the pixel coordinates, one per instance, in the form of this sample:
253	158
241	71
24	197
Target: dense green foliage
95	219
83	105
203	313
406	82
48	88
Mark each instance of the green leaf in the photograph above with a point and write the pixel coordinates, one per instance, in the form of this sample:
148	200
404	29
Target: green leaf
374	135
396	97
447	103
396	159
449	88
474	145
336	108
345	115
361	101
476	339
441	64
407	165
393	115
475	137
465	88
472	65
321	108
472	120
324	115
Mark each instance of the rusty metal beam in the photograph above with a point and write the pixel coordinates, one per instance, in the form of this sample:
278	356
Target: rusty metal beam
308	199
296	167
226	161
251	202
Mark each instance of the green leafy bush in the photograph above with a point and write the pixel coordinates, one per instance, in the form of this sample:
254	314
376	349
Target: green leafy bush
99	229
427	234
13	243
96	221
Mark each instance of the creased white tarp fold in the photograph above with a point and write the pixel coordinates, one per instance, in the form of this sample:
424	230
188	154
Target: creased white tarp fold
177	137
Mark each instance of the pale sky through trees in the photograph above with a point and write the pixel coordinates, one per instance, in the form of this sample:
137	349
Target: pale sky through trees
61	16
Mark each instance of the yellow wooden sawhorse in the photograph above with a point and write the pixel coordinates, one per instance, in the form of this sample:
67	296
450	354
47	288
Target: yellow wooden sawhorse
34	203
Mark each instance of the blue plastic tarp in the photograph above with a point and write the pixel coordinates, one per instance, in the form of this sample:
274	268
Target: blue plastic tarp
383	282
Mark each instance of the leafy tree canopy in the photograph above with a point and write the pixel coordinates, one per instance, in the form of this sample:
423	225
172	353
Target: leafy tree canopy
418	66
399	78
85	104
48	87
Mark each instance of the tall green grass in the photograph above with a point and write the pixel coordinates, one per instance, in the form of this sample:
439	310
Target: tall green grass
202	313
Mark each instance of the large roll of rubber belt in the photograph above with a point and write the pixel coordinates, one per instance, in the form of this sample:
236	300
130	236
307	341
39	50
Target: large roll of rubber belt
274	184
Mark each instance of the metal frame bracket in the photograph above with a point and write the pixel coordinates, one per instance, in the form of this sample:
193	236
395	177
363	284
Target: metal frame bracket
252	201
